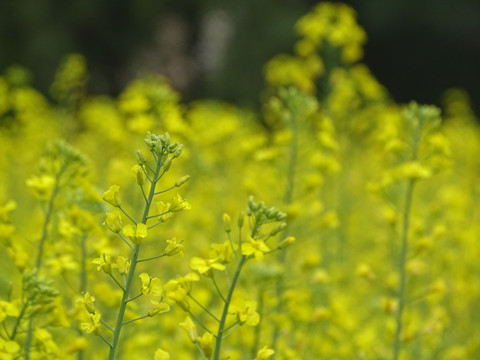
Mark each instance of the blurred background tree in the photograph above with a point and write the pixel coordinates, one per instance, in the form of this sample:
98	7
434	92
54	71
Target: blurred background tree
209	48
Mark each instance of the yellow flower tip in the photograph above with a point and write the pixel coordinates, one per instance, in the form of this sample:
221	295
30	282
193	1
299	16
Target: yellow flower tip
257	248
389	305
8	309
6	211
438	287
150	285
104	262
136	233
413	170
206	342
161	355
190	328
114	221
139	174
78	344
88	302
264	353
122	265
320	314
158	308
112	196
182	180
174	247
227	222
206	266
286	242
93	325
42	186
246	312
364	271
141	230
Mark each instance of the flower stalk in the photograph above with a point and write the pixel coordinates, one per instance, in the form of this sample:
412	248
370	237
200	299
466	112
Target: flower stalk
131	272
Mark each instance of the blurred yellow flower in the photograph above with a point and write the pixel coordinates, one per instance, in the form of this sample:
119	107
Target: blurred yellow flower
245	311
42	186
190	328
206	266
264	353
161	355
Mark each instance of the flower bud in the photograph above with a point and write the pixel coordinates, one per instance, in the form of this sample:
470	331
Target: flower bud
241	219
178	151
112	196
137	171
227	223
278	228
88	302
182	180
141	158
190	328
286	242
158	308
114	221
167	164
172	147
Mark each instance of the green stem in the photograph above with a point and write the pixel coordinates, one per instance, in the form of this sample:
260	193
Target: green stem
48	215
165	190
131	271
292	165
221	326
152	258
116	282
41	245
203	307
83	283
28	340
401	293
200	323
18	320
258	328
231	245
132	320
402	271
217	288
126	214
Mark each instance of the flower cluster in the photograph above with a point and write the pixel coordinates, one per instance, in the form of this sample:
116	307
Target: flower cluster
373	256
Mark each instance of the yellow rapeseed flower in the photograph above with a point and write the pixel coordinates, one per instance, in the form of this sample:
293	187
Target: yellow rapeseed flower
264	353
114	221
206	342
190	328
112	196
161	355
41	185
151	285
206	266
257	248
136	233
246	312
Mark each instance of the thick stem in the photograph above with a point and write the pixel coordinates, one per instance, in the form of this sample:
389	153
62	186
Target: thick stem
401	294
131	271
48	215
221	326
293	158
258	328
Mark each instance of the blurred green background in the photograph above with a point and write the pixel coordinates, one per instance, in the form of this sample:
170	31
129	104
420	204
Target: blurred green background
208	48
